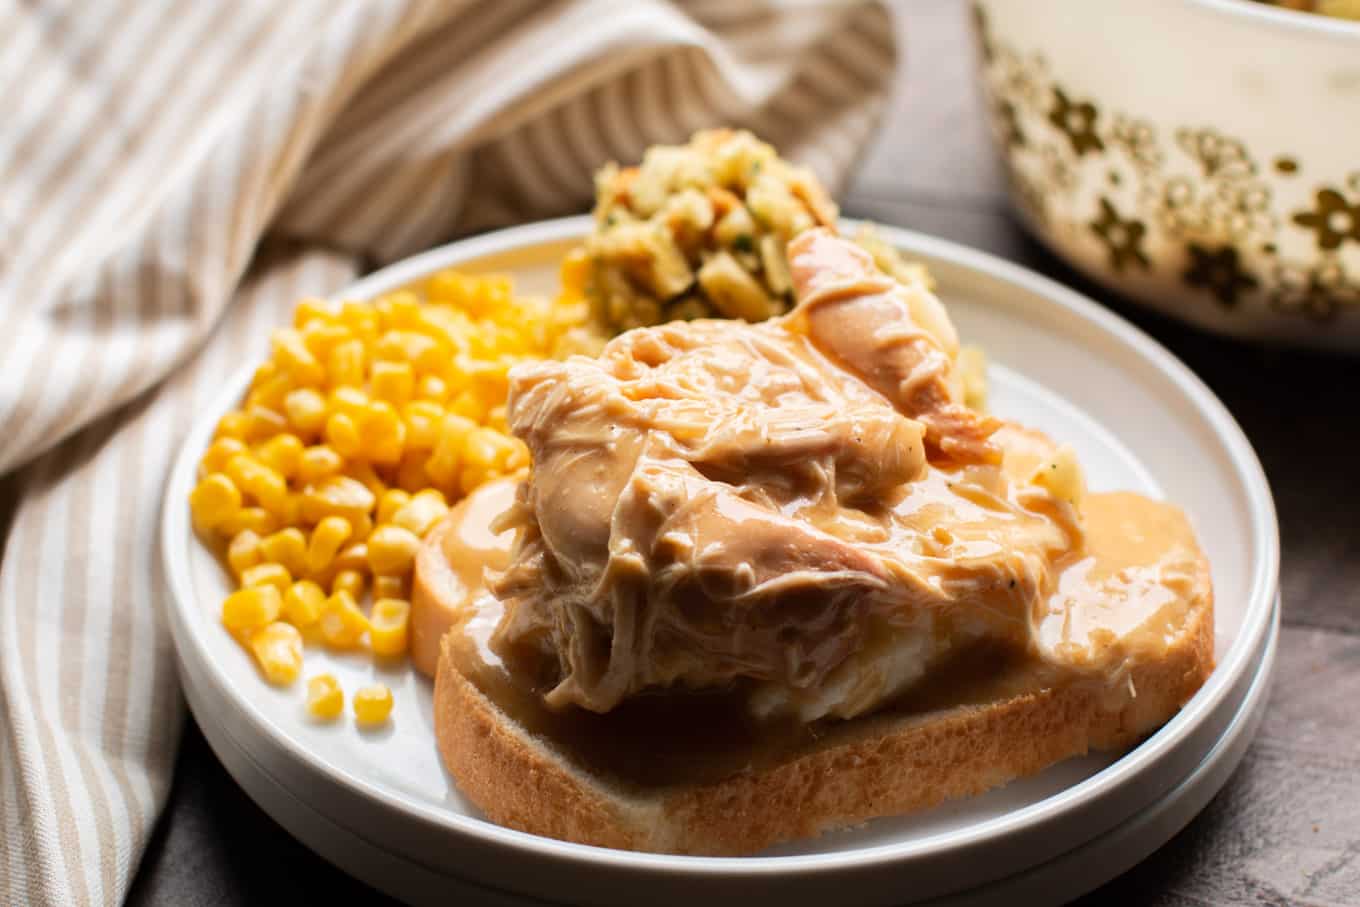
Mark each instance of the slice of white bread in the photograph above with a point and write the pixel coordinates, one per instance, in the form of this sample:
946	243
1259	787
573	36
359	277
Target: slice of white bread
888	763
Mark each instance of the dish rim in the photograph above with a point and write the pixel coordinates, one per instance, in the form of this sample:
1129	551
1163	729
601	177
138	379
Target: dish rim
1239	657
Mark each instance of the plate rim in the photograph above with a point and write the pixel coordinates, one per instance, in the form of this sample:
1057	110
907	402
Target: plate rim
1263	588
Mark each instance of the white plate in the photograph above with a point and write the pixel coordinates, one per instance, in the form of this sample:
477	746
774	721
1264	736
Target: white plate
1137	418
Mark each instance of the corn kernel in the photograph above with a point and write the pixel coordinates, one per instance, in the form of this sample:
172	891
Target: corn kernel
220	451
574	272
385	586
366	474
411	475
392	549
318	462
393	382
322	338
311	309
213	502
423	419
342	434
256	519
340	496
351	582
263	423
262	483
389	502
244	551
302	603
247	610
278	651
486	450
432	387
342	623
306	410
383	433
281	453
267	574
326	540
421	513
387	630
361	527
471	478
408	346
519	456
270	394
496	418
398	310
325	699
233	425
372	704
468	404
345	364
288	548
360	318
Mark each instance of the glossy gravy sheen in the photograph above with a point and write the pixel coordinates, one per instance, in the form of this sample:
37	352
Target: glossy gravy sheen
1123	594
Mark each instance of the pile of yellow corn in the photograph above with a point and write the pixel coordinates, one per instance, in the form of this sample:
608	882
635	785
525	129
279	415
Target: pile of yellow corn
366	422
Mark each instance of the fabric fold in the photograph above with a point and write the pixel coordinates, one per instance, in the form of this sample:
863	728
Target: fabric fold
173	176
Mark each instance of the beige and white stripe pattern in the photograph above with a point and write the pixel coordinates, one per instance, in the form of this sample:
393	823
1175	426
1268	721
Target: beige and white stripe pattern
173	175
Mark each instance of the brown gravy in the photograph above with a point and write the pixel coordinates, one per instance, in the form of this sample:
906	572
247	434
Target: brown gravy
1124	594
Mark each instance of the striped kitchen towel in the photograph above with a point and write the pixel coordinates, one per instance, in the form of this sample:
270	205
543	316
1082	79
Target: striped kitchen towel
173	175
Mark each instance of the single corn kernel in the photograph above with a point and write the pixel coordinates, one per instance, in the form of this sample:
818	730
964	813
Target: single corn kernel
247	610
351	582
382	433
360	318
392	381
233	425
421	513
292	355
423	420
312	309
213	502
486	450
392	549
267	574
345	364
471	478
411	475
574	272
306	410
519	457
256	519
342	434
399	310
321	338
263	423
325	699
287	548
432	387
365	473
389	502
496	418
408	346
244	551
387	626
385	586
352	401
372	704
361	527
271	394
264	484
468	404
219	452
337	496
326	540
281	453
318	462
278	651
342	623
303	602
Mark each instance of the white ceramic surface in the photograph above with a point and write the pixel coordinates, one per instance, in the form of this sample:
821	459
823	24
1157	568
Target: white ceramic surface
1198	155
1137	418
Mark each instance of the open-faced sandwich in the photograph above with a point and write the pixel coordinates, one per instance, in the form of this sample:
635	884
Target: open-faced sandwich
765	580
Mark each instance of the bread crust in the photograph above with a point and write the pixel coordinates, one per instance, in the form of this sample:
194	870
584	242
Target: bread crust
869	767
